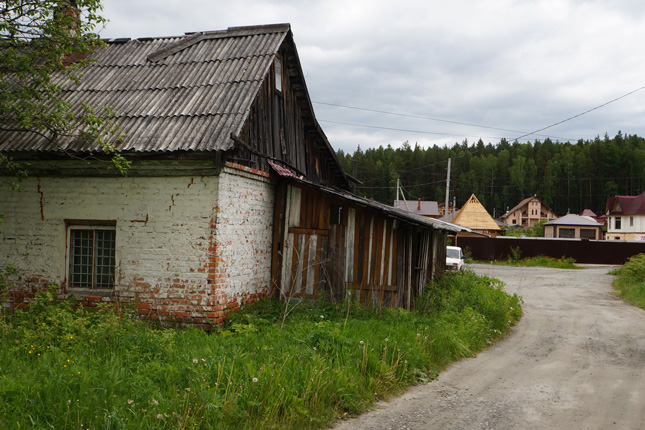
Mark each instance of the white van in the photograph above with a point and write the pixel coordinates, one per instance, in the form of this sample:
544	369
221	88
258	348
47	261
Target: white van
454	258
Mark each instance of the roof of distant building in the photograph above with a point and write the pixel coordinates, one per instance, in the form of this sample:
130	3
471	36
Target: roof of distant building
626	205
419	207
577	220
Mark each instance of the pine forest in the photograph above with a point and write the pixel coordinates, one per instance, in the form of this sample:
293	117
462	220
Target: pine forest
569	177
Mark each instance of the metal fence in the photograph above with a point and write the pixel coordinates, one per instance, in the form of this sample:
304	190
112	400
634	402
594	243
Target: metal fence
583	251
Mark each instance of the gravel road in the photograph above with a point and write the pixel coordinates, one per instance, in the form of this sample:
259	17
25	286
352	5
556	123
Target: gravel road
576	360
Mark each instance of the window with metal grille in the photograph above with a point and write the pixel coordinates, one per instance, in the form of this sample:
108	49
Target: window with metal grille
92	257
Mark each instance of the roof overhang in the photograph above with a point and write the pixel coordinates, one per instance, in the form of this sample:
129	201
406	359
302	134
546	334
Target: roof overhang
390	211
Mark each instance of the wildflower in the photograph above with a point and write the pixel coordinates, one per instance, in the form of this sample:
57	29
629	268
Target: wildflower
195	361
130	401
315	349
255	380
361	342
30	351
322	317
187	389
386	339
78	373
155	402
159	416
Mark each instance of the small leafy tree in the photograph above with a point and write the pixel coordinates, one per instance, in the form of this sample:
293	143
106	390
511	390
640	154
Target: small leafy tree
42	44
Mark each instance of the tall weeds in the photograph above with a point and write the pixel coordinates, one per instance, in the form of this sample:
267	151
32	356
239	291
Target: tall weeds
63	366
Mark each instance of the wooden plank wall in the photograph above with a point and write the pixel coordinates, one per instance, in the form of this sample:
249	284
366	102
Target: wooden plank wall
371	259
380	261
276	127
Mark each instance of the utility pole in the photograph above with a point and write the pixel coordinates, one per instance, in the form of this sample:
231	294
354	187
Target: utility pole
397	190
445	209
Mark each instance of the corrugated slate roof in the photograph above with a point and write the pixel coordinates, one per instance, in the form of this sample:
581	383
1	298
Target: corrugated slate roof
186	93
380	207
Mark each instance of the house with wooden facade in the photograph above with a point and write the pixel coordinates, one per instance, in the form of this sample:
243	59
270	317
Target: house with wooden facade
527	213
474	216
234	191
626	217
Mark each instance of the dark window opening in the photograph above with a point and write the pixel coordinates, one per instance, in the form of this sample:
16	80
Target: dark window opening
336	215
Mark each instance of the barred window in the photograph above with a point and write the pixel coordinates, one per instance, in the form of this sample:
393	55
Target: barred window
92	256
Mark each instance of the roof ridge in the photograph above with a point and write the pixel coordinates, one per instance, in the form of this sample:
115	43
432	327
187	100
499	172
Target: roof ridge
193	38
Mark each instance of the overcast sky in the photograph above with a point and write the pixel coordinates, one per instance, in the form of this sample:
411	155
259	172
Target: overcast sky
440	72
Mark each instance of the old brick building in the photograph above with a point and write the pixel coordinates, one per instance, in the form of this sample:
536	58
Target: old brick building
234	191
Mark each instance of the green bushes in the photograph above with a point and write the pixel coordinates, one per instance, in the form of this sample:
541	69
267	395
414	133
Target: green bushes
514	259
63	366
630	281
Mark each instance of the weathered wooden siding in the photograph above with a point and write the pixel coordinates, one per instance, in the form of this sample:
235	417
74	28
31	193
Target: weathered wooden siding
276	129
382	261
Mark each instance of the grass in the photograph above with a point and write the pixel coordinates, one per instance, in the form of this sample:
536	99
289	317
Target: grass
630	281
63	366
540	261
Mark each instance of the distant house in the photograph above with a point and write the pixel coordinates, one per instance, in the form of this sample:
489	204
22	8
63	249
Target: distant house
626	217
573	226
528	212
234	192
428	209
589	213
442	209
475	216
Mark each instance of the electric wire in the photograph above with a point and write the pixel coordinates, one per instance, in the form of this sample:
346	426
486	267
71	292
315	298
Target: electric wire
424	117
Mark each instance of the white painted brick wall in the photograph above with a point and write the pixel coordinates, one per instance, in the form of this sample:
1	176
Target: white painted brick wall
244	232
182	252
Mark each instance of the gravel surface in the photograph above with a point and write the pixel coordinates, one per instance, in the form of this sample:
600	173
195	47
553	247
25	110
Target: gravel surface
576	360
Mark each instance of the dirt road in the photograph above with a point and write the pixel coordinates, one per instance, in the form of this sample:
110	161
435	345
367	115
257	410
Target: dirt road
576	360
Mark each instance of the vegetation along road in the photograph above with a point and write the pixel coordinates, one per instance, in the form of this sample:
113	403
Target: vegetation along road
576	360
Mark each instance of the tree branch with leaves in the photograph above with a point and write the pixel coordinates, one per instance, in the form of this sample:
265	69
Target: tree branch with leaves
43	43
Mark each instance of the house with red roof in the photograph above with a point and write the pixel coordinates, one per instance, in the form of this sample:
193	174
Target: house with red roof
626	217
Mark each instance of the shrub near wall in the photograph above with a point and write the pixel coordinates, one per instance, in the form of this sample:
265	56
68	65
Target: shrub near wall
276	365
630	281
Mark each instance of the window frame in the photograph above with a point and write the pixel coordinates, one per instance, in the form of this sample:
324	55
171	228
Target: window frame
566	233
278	71
70	272
618	223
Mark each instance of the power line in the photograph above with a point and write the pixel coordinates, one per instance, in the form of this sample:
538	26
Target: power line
428	118
583	113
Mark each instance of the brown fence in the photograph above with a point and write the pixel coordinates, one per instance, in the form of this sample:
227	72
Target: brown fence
583	251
